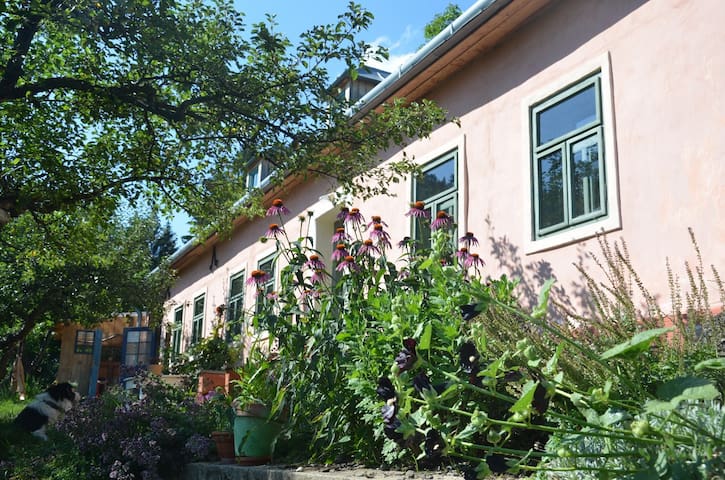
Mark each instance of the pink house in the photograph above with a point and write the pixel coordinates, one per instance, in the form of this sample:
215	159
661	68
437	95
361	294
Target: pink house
576	117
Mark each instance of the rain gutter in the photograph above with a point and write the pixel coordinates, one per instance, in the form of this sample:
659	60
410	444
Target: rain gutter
475	16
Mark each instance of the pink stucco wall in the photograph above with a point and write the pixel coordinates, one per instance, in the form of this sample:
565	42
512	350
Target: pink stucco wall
666	64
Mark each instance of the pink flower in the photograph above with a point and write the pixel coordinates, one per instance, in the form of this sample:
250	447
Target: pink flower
314	263
380	235
277	208
462	254
443	220
342	215
473	260
468	240
418	210
340	236
355	217
376	219
340	252
318	276
347	263
258	278
367	248
273	231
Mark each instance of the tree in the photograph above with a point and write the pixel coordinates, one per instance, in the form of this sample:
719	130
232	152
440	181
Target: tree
168	100
88	270
441	21
163	245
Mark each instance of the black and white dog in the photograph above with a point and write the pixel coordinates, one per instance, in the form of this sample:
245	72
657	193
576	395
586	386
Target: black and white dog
47	408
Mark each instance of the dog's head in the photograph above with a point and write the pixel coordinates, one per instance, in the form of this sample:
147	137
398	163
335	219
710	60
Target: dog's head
63	391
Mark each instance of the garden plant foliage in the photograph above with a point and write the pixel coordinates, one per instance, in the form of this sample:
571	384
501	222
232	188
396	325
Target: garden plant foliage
427	361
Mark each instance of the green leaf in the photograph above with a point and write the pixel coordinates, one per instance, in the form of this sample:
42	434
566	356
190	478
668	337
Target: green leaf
711	364
523	404
539	311
672	393
426	264
424	343
636	345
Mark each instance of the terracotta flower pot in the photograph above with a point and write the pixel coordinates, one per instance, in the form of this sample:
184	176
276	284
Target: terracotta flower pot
224	442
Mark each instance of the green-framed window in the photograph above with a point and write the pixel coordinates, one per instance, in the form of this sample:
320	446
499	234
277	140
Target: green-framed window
197	320
568	175
235	306
177	330
437	186
266	265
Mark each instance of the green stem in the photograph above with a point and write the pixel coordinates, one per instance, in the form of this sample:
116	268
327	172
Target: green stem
588	353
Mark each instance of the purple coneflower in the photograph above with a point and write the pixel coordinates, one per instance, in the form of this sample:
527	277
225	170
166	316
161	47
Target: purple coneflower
406	242
314	263
277	208
340	236
376	219
258	278
417	209
473	260
349	263
468	240
462	254
273	231
380	235
318	276
344	211
367	248
355	217
340	252
443	220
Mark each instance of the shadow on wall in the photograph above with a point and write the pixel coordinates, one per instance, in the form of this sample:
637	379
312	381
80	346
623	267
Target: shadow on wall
533	275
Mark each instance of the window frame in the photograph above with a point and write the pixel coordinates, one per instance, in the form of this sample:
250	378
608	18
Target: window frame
235	303
440	200
270	285
177	331
549	94
257	166
82	345
197	319
564	144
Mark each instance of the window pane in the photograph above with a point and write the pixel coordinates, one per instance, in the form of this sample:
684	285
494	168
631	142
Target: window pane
436	180
570	114
253	177
237	286
551	190
584	174
199	306
132	337
178	316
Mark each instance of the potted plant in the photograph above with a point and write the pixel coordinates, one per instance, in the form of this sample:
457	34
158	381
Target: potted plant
259	408
218	407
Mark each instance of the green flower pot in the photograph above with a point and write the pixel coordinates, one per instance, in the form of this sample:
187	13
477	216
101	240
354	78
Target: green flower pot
254	439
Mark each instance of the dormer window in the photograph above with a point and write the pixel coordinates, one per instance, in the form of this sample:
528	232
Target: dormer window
259	173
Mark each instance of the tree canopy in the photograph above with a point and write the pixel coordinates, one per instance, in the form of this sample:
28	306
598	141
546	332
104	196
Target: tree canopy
441	21
160	104
168	100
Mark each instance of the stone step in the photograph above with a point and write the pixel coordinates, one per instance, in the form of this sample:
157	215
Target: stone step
221	471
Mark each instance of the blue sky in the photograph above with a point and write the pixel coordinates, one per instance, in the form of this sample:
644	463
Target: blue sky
398	26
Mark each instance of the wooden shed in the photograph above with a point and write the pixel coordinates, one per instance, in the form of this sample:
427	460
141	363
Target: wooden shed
108	353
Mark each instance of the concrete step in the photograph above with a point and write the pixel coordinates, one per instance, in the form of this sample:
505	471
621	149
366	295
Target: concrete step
222	471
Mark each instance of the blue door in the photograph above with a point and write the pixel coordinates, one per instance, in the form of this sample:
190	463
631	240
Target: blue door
137	352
